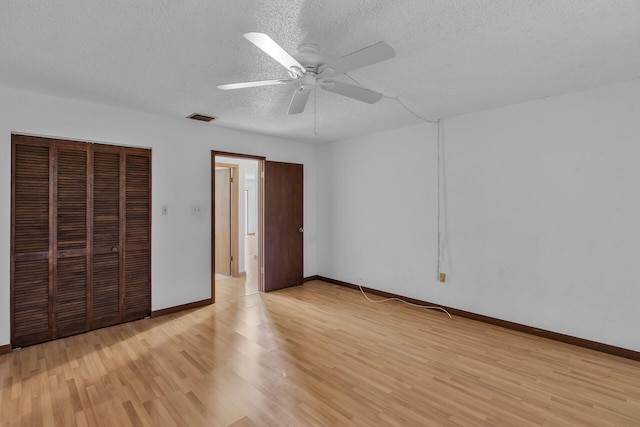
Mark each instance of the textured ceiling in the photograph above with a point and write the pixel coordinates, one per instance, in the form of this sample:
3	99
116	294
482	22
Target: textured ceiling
452	56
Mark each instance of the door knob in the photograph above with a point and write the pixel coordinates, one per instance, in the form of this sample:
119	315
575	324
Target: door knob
300	230
114	249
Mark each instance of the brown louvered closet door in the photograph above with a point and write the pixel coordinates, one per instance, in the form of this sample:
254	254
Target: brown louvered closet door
107	253
137	268
80	237
70	239
30	305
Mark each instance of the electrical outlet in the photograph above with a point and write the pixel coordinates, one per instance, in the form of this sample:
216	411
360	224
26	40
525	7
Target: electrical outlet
195	210
165	210
443	277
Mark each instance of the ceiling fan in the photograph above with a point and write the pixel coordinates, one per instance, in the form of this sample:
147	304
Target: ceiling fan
309	70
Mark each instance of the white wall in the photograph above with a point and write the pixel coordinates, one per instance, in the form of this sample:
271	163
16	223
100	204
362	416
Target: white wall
378	218
181	247
541	215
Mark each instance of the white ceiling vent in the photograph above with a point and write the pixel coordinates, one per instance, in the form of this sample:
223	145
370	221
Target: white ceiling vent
201	117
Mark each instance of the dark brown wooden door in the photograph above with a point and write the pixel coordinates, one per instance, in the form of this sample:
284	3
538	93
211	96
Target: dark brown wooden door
107	251
223	222
283	225
121	235
31	319
136	301
70	238
80	242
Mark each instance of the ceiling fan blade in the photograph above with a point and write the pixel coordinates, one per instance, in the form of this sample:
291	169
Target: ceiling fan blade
274	50
299	101
378	52
355	92
255	84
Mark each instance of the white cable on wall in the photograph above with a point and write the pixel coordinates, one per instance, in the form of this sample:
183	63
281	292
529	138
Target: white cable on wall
397	99
439	257
439	207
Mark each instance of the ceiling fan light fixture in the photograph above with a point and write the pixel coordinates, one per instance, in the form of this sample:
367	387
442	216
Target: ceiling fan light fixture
309	80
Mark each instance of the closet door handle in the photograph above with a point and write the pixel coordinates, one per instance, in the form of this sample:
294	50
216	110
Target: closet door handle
300	230
114	249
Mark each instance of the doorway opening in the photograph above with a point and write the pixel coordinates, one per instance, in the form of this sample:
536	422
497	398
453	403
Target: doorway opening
226	224
267	208
236	224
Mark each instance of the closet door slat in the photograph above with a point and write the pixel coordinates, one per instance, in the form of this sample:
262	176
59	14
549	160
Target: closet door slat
71	211
137	296
71	302
31	195
30	297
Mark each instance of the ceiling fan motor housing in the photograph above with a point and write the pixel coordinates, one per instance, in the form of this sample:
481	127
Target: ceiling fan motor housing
309	57
311	60
309	80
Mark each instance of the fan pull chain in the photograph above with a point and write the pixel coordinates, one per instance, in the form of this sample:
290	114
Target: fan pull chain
315	96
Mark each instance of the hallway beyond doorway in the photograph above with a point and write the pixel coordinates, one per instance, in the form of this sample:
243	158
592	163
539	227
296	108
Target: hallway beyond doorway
247	283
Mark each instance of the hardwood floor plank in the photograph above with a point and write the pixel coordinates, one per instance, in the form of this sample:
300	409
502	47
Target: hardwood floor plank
243	422
132	413
316	354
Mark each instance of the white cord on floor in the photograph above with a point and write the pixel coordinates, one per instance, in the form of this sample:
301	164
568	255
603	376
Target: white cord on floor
403	301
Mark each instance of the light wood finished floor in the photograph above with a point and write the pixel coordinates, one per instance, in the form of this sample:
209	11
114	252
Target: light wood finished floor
317	354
